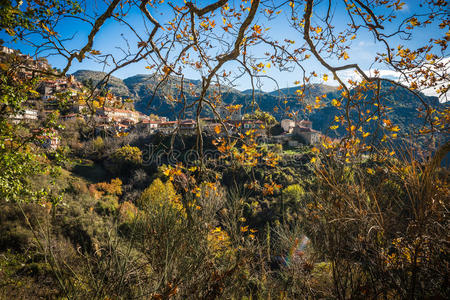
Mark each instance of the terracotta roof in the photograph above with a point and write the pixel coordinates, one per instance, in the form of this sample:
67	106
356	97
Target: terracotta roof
69	116
187	122
150	122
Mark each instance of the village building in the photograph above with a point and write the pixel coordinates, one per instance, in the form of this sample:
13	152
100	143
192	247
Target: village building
302	129
148	126
47	139
187	126
287	125
7	50
309	135
118	115
26	115
70	117
167	127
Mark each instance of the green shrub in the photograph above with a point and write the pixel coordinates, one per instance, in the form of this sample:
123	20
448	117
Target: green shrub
107	206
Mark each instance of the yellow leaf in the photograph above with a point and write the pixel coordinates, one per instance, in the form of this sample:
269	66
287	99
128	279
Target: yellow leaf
4	67
325	77
334	127
217	129
335	102
166	70
313	160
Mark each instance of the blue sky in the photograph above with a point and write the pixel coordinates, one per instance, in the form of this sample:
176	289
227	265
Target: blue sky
113	35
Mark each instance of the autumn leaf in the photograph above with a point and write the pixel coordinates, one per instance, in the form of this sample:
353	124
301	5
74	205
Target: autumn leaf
217	129
257	29
166	70
336	103
244	228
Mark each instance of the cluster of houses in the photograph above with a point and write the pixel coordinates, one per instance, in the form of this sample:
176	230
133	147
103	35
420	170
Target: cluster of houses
112	121
302	129
50	91
28	65
208	125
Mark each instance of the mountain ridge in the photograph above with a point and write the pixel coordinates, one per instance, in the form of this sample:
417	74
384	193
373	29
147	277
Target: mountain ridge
142	87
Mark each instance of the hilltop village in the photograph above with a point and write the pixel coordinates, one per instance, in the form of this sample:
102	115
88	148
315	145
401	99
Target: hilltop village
110	115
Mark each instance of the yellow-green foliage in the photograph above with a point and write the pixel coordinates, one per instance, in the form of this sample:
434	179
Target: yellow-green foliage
127	212
293	192
128	155
99	144
219	243
160	193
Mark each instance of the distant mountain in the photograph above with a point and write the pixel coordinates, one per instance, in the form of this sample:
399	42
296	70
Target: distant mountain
116	85
165	99
311	89
250	92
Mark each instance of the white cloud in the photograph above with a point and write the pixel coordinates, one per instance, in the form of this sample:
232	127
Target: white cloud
394	75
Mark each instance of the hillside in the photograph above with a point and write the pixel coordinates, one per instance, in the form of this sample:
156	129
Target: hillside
116	85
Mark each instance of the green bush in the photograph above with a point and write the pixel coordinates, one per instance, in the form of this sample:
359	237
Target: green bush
107	206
